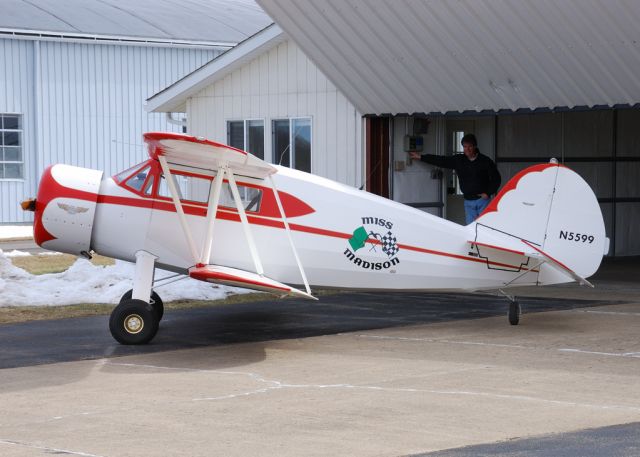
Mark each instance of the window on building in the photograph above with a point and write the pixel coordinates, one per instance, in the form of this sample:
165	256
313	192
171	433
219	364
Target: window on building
454	182
11	147
247	135
292	143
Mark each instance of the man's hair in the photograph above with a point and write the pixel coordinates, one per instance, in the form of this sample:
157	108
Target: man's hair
469	138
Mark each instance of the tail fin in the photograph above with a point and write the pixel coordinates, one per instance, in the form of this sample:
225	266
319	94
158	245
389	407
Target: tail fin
554	209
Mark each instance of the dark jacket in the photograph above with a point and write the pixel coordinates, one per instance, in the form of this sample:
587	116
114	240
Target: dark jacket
476	176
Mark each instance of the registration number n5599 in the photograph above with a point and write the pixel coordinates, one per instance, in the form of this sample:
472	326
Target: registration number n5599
577	237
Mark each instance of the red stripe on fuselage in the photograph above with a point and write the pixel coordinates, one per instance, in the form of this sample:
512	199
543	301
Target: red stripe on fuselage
232	215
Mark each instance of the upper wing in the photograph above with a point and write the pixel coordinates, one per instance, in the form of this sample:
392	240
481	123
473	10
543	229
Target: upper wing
198	152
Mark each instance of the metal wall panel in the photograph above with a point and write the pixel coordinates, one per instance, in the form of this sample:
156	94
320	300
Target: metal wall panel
16	96
602	146
90	104
284	83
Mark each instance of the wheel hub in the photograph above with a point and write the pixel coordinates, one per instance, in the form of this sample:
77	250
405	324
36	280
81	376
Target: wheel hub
133	324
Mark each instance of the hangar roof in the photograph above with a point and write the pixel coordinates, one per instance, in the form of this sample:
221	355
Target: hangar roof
223	22
407	56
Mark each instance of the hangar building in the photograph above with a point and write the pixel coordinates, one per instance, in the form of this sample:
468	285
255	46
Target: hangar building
532	80
74	75
343	89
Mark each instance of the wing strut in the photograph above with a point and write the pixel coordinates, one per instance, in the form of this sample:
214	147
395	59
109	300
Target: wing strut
245	222
212	211
178	205
288	230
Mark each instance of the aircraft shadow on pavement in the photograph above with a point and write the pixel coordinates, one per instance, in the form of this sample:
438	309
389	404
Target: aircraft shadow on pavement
44	342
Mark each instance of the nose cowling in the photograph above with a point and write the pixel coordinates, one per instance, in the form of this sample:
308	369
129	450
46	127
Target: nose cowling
65	208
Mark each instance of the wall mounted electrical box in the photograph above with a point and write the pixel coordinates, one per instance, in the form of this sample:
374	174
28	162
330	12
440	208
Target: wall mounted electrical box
413	143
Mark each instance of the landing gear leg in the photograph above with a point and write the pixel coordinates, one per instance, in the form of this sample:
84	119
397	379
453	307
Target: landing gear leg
135	320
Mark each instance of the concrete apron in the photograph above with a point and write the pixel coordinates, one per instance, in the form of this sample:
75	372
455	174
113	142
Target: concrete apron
371	393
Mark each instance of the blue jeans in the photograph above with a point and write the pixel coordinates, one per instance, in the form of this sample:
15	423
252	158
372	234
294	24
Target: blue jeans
473	208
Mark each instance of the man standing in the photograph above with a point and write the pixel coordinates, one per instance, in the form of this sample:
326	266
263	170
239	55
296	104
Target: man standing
478	175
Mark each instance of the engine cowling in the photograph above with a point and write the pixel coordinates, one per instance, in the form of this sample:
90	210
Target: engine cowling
65	208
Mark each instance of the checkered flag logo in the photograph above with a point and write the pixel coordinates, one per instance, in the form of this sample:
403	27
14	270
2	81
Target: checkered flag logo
389	244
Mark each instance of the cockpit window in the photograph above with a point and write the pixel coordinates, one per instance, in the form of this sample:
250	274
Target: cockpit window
196	189
249	196
191	188
136	182
148	188
128	172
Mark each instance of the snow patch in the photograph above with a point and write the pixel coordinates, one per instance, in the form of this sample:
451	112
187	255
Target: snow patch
84	282
16	231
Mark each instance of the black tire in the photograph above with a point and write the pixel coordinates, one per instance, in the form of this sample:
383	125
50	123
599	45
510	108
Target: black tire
133	322
514	313
156	302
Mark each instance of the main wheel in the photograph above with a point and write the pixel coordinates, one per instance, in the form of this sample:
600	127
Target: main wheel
514	313
156	302
133	322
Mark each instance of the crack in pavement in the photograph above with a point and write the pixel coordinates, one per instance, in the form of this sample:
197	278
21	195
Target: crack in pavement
279	385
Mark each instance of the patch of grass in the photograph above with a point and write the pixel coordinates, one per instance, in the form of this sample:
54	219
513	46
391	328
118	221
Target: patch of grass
42	264
15	314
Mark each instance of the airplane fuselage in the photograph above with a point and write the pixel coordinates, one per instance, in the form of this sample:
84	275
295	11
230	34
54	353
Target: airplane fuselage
346	238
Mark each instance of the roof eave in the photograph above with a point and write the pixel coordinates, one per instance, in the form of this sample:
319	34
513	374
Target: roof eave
174	97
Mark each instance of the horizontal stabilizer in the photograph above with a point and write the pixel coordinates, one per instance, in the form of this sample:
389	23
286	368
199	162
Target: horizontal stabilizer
241	278
198	152
521	255
559	266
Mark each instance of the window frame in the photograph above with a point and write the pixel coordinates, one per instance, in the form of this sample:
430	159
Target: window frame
150	189
292	152
21	145
245	133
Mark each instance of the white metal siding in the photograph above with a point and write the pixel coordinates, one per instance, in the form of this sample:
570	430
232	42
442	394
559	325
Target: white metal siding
16	96
91	101
284	83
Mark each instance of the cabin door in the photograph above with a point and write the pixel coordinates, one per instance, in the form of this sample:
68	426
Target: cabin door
377	155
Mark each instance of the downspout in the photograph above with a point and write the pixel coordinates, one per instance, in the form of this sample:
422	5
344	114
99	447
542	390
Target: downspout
172	121
37	108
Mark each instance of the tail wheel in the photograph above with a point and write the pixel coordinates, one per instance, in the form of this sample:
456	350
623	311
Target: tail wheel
514	313
133	322
156	302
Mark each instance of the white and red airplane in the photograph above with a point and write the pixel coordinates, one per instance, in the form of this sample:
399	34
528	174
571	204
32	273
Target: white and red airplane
222	215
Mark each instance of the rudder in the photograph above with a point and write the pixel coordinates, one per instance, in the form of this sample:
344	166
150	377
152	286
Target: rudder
553	208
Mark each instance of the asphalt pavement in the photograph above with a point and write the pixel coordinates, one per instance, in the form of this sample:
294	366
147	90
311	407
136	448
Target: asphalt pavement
87	338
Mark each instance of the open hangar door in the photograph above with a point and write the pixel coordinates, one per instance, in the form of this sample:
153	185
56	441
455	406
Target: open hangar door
602	145
424	186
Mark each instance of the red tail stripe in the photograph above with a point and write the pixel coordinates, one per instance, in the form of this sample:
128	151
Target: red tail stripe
513	183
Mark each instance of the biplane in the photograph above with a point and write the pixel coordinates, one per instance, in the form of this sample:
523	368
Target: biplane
219	214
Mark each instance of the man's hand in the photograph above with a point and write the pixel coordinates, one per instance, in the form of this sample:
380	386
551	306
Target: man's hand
484	196
415	155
